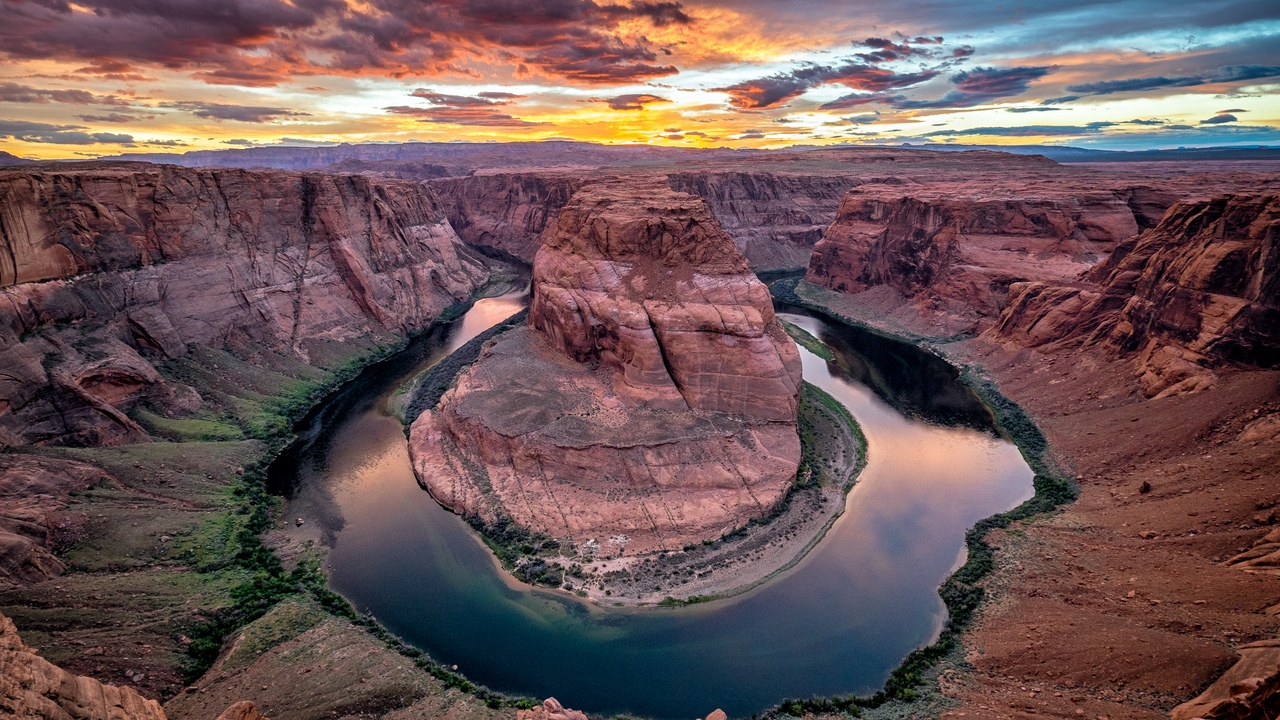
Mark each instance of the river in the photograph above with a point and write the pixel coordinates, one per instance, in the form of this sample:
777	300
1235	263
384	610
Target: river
839	621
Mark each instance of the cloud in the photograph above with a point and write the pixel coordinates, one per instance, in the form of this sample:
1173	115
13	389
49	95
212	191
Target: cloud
109	118
980	86
37	132
632	101
776	90
265	42
15	93
1219	119
1230	73
1031	109
1025	130
480	110
237	113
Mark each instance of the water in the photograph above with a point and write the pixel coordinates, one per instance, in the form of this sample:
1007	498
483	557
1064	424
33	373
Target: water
837	622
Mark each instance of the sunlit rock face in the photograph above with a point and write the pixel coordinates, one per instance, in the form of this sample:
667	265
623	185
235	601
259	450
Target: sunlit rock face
1199	290
653	396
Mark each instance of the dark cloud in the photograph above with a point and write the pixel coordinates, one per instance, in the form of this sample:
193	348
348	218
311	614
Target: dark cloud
1139	121
15	93
481	110
1230	73
633	101
110	118
37	132
1232	110
1031	109
1219	119
238	113
1025	130
971	87
776	90
980	86
263	42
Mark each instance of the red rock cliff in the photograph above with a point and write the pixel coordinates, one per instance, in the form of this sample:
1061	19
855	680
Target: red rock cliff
653	402
1201	288
105	266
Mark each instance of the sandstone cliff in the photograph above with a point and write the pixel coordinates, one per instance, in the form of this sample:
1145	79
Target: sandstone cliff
954	250
507	212
104	268
1200	289
32	688
775	218
651	405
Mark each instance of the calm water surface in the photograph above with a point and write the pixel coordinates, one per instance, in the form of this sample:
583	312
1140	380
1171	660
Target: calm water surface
837	622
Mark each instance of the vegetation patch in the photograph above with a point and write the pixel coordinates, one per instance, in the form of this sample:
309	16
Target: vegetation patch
807	341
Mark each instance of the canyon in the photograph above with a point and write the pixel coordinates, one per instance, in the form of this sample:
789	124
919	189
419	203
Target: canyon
155	317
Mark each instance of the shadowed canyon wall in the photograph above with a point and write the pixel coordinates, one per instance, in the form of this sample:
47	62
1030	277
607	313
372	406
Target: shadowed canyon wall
106	268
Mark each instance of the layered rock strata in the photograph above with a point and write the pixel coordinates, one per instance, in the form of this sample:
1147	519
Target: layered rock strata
104	268
775	218
1199	290
506	211
954	252
32	688
652	402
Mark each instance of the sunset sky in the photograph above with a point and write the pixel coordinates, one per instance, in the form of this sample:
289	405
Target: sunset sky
101	77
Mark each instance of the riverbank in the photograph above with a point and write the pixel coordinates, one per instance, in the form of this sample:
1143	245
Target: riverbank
1122	604
164	551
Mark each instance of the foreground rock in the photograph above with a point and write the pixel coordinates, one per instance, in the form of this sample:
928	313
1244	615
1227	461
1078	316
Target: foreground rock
652	403
111	267
32	688
1199	291
1250	689
33	524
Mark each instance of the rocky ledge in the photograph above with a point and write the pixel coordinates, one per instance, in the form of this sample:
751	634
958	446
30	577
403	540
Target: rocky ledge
650	405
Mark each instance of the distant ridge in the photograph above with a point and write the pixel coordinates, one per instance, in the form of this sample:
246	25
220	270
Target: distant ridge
9	159
463	158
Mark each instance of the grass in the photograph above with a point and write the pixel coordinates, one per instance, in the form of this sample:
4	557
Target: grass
808	341
961	591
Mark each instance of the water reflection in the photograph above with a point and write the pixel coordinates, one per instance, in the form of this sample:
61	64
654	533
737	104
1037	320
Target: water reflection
839	621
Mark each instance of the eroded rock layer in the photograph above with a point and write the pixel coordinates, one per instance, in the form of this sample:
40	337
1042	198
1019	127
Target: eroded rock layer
505	211
32	688
954	251
1200	289
104	268
651	404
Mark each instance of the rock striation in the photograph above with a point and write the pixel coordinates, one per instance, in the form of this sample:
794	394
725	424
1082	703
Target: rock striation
953	251
1200	289
775	218
650	404
506	211
32	688
105	268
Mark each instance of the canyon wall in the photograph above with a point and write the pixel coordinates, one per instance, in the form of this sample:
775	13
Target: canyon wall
774	217
954	251
505	211
105	268
1200	289
652	402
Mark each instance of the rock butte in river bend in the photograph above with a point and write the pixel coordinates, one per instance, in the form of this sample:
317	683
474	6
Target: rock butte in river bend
653	396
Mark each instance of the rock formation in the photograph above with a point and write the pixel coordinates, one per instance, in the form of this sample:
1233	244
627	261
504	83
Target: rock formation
1200	289
33	494
550	709
652	403
105	267
1249	690
507	211
32	688
775	218
955	250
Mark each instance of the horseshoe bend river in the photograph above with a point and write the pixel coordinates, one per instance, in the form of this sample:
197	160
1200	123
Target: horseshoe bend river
838	621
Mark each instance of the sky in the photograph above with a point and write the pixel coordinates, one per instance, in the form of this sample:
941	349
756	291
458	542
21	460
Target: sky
102	77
